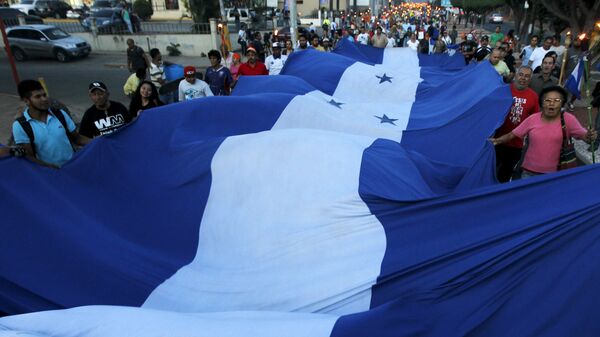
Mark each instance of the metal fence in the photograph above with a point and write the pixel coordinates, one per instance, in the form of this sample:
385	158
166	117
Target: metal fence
184	27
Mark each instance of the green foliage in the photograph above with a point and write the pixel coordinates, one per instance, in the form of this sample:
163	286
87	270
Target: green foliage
143	8
479	6
173	49
202	10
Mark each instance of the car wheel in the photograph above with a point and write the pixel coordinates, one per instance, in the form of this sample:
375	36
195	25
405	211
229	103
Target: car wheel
19	54
61	55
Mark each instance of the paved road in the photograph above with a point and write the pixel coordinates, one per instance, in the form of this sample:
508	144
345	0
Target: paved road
68	82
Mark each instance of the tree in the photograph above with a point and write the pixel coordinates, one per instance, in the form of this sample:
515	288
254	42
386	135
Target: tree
202	10
580	15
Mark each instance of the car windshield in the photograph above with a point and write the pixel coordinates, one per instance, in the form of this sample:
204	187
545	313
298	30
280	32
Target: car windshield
103	14
55	33
101	4
26	2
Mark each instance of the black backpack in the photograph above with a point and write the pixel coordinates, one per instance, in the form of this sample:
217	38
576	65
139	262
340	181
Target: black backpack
29	130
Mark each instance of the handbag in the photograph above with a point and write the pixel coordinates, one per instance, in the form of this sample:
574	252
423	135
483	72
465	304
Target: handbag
568	157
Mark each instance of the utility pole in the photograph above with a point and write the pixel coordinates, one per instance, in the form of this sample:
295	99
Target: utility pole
11	59
293	22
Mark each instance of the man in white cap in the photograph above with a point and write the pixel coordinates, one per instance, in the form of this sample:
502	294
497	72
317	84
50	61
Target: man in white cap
275	61
468	48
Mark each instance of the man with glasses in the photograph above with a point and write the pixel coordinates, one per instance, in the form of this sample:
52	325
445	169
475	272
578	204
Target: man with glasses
525	103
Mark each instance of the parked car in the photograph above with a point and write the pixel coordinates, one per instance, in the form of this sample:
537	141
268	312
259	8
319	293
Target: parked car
283	34
45	41
44	8
496	18
80	12
11	17
244	14
26	6
110	21
56	9
103	4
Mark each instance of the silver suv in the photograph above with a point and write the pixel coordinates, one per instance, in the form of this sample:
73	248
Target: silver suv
45	41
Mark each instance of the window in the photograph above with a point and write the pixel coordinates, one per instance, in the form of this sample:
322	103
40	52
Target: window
17	34
56	34
171	4
32	35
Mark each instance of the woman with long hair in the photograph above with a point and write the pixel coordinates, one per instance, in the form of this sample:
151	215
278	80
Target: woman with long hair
145	97
289	48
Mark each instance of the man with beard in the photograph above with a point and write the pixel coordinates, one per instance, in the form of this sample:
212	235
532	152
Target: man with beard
525	103
47	135
253	66
544	78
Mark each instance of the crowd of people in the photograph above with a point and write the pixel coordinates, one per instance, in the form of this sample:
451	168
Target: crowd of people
528	143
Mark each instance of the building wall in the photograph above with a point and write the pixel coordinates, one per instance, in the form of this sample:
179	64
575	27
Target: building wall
190	44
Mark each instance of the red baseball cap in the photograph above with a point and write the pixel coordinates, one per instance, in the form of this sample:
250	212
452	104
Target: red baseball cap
189	70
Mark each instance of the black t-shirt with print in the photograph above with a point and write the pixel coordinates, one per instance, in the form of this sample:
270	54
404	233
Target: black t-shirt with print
102	122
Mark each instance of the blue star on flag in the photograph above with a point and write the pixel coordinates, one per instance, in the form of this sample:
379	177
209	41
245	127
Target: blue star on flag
386	119
384	78
335	104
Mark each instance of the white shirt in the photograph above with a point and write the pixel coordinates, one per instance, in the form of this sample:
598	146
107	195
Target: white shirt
188	91
391	42
536	58
227	61
274	65
413	45
560	50
363	38
156	73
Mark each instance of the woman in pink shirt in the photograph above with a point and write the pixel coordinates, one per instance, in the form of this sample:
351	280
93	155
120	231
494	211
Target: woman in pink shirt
543	130
235	66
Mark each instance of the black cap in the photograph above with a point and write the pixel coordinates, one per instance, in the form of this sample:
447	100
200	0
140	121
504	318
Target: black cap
485	37
97	85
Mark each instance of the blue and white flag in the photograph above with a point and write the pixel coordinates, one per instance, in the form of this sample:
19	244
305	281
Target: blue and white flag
574	82
348	200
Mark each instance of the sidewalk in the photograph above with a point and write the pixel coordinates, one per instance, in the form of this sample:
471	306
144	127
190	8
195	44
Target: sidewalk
118	60
9	114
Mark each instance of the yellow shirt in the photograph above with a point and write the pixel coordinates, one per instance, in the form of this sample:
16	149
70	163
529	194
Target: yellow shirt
502	68
131	85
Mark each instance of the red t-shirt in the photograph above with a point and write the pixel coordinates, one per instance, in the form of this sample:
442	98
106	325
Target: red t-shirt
258	69
525	104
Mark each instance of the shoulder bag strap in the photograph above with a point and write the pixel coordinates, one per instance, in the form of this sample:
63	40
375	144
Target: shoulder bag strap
28	131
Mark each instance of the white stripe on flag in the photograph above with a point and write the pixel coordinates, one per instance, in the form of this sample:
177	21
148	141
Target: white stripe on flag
112	321
282	219
317	110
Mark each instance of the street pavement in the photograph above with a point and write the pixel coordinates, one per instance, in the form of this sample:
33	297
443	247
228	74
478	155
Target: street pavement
68	82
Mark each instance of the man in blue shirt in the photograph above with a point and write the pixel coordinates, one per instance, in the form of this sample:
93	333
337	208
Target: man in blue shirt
218	77
51	144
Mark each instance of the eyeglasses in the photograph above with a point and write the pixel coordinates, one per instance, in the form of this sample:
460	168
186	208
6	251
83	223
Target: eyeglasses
550	100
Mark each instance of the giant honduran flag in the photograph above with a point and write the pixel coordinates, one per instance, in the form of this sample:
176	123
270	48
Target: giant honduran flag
220	220
153	195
